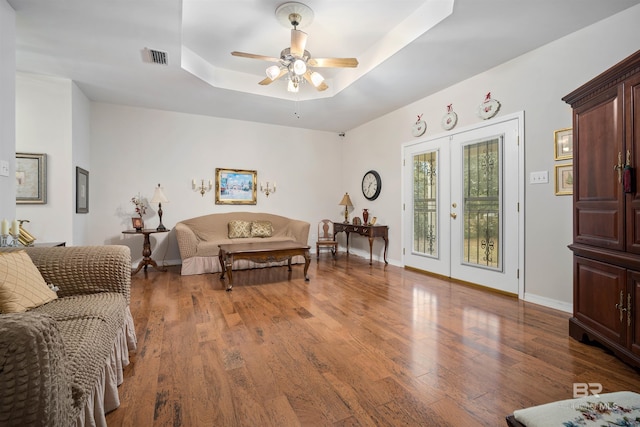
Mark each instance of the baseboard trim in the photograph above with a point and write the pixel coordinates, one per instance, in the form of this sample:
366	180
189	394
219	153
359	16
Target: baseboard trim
548	302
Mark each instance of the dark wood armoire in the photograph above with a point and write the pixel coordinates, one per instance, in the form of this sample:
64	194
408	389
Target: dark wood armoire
606	210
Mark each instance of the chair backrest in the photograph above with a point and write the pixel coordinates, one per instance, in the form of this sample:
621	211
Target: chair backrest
325	229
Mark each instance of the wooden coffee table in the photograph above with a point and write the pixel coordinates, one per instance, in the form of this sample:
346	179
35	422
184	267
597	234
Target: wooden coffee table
261	253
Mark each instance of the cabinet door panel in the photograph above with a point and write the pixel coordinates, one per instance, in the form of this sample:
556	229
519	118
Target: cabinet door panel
598	196
633	302
632	136
597	290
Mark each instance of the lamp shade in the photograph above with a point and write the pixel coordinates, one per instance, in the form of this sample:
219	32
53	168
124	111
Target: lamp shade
316	78
273	72
346	201
299	67
158	196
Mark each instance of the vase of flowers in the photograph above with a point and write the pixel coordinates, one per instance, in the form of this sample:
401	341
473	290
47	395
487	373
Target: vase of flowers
141	209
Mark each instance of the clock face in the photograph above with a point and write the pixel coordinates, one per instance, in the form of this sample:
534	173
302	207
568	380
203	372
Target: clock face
371	185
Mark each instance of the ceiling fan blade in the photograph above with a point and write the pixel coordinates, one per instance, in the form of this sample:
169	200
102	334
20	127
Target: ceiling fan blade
333	62
268	81
322	86
298	42
254	56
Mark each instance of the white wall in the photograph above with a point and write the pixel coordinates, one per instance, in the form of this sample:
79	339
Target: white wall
44	125
80	149
7	108
533	83
134	149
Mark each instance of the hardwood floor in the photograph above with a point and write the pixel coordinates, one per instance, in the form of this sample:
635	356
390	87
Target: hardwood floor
357	345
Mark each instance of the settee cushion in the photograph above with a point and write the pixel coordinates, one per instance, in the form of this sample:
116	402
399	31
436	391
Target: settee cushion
21	284
261	229
239	229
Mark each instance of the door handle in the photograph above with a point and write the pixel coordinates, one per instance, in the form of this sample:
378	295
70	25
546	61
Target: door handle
454	215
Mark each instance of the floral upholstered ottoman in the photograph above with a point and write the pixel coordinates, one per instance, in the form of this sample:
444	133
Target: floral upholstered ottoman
610	409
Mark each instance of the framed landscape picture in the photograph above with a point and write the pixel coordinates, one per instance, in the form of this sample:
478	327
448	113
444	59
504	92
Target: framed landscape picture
236	187
82	190
564	179
31	178
563	144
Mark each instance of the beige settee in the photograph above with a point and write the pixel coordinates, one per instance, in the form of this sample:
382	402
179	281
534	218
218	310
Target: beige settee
62	359
198	239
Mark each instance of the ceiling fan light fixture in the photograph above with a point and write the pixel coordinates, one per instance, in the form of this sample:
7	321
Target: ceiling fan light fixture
273	72
299	67
316	78
293	86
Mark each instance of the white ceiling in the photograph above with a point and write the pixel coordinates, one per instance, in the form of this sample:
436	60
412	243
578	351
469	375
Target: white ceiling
99	44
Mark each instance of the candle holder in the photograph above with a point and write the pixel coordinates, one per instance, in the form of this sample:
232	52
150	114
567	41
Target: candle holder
14	240
203	187
4	240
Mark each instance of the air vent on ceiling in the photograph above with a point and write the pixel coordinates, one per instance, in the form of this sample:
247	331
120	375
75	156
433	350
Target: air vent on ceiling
155	56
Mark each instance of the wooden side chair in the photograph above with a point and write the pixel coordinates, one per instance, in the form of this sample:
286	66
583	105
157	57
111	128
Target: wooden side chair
325	237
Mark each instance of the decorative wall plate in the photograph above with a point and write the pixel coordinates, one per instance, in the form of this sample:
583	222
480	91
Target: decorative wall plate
488	108
419	127
450	119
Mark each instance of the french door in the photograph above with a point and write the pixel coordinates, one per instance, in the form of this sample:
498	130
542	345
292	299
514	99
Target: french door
462	205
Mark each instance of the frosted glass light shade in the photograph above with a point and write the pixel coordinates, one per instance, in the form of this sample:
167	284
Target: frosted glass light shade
273	72
316	78
299	67
292	87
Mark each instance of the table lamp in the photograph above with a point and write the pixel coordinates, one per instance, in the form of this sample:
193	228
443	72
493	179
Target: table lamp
346	202
159	198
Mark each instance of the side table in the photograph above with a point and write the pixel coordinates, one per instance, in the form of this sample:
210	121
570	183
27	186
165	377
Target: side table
146	249
370	231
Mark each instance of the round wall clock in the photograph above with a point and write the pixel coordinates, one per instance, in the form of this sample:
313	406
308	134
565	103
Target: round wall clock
371	185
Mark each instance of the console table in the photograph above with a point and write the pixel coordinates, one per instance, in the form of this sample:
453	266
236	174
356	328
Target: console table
370	231
146	249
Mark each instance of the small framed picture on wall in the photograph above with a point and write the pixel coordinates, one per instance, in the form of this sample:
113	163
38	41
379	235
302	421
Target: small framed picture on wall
563	144
564	179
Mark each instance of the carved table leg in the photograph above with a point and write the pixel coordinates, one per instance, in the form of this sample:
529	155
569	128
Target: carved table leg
370	250
386	244
307	260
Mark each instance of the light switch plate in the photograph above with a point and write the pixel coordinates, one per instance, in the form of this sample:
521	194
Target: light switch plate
540	177
4	168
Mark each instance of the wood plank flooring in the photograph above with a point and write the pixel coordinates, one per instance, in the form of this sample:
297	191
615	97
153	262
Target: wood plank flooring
357	345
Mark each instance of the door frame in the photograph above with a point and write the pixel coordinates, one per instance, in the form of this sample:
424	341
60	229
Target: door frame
519	116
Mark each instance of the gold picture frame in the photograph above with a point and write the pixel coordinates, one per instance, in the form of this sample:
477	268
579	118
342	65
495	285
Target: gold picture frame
563	144
564	179
31	178
236	187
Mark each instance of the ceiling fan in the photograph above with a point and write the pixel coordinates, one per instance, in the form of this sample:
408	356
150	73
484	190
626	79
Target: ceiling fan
295	62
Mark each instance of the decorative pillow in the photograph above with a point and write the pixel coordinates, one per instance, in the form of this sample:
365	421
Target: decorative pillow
21	285
239	229
261	229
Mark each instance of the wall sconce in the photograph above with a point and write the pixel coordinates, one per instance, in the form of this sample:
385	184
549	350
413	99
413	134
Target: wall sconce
266	189
202	188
